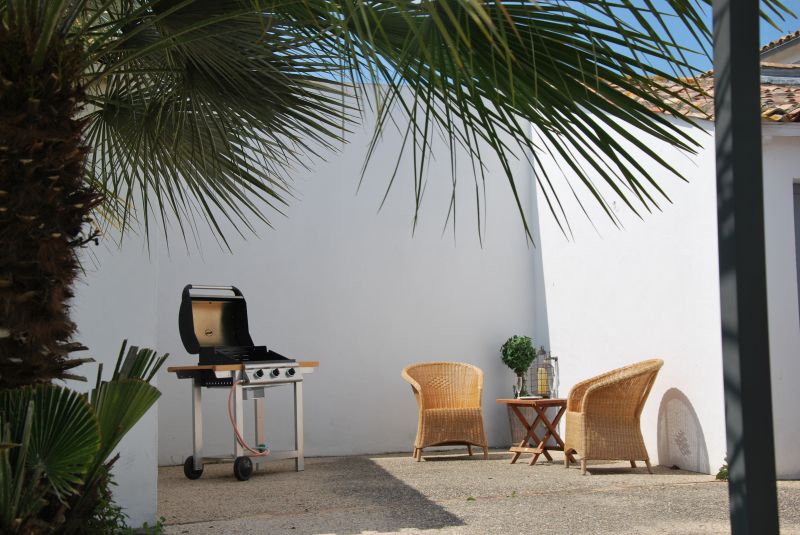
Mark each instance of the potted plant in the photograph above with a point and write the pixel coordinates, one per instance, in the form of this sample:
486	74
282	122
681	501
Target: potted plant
518	354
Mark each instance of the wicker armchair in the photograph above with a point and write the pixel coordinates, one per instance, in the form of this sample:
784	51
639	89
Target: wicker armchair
449	398
603	415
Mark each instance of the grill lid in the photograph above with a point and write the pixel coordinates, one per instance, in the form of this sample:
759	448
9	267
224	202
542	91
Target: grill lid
208	320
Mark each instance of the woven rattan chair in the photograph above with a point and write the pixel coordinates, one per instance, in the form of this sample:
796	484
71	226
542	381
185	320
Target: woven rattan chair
603	415
449	398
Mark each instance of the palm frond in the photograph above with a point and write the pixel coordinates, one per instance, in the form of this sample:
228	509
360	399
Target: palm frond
63	435
203	109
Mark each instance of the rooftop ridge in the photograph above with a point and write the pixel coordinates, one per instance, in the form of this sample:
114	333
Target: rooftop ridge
780	41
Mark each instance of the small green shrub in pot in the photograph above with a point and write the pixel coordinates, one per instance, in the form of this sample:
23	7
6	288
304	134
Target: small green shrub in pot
518	354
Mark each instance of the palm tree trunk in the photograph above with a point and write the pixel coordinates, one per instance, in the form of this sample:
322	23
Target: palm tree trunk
44	208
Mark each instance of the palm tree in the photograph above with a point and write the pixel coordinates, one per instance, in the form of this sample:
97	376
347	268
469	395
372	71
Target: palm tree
174	111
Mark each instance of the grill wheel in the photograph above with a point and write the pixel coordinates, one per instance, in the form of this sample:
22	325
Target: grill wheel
188	468
242	468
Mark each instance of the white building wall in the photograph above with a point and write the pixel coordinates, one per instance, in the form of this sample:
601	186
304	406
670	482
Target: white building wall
789	53
780	173
338	282
651	289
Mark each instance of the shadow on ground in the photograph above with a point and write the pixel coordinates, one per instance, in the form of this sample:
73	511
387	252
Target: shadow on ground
340	489
453	494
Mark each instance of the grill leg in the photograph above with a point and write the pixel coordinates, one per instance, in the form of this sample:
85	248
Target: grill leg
299	462
259	422
238	416
197	425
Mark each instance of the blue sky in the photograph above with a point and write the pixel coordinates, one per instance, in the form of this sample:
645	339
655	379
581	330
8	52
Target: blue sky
767	32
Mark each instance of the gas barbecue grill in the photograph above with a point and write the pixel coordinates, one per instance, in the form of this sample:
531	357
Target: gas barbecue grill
213	325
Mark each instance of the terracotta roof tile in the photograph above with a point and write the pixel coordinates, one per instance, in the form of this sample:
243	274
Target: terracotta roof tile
779	102
780	41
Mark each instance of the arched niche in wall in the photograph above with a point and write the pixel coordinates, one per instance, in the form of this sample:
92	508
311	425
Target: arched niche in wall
681	441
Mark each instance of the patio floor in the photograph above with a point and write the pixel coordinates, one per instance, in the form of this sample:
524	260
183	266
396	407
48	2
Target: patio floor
453	494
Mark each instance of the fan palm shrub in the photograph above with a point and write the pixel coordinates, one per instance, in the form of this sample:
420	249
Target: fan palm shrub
172	111
56	445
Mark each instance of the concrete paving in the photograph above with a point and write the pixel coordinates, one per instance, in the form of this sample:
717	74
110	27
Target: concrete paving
451	493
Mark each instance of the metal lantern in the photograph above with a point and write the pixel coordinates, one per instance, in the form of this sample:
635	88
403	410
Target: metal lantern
544	375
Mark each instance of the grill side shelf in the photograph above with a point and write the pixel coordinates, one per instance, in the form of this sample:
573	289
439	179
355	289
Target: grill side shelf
230	367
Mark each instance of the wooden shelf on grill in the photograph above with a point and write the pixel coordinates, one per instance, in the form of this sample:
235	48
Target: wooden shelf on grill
233	367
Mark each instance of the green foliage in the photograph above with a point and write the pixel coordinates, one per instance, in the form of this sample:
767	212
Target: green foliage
722	474
64	437
108	517
205	107
155	529
118	404
111	518
21	497
54	467
518	353
58	440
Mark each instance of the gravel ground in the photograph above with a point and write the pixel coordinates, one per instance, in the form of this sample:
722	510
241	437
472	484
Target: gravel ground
451	493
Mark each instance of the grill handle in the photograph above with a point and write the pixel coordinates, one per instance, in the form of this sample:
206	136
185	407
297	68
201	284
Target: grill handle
186	289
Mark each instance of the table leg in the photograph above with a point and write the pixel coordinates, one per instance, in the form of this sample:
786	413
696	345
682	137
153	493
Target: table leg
552	431
529	435
197	425
299	462
541	447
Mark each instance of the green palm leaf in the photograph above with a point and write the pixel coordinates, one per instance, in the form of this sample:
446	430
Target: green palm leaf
203	109
119	405
64	435
18	501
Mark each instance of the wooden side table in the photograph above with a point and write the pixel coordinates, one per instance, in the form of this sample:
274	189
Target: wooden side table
540	407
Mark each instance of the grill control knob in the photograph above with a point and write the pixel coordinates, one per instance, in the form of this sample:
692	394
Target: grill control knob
259	373
274	373
290	372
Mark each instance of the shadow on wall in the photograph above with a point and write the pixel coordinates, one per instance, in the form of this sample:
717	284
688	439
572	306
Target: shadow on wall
681	441
541	327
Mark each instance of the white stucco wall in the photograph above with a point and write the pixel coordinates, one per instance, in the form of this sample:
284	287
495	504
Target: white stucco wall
780	173
341	283
651	289
335	281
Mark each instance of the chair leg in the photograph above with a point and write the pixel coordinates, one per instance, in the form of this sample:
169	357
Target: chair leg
633	463
469	449
583	467
415	452
649	468
419	454
485	453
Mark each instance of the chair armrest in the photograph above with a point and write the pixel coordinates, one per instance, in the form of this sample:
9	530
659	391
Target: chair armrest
415	388
576	395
